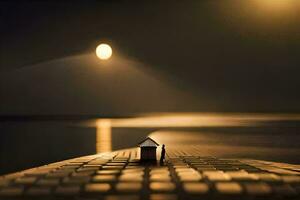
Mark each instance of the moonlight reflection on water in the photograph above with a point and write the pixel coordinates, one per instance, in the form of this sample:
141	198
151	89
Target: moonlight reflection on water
224	135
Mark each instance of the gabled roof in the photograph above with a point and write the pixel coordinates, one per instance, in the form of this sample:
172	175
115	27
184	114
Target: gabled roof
148	142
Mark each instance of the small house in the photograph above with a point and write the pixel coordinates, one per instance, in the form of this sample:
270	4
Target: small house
148	149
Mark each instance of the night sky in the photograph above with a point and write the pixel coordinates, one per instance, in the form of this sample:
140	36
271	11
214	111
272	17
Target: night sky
215	56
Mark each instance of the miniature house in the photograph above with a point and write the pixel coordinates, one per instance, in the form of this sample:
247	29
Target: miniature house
148	149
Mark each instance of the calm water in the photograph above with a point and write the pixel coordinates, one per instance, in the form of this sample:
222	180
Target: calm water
25	144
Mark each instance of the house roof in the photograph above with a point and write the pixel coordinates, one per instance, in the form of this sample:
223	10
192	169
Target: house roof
148	142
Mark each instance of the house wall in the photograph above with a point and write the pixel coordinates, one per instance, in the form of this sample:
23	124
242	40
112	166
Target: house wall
148	153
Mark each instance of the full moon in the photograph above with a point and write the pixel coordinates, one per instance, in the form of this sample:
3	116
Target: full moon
103	51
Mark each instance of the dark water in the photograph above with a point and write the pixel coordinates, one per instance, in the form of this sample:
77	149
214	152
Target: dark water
25	144
33	143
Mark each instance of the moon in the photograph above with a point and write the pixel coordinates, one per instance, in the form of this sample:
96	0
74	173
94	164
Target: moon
104	51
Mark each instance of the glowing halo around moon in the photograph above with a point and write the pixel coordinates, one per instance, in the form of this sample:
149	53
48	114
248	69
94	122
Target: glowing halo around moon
104	51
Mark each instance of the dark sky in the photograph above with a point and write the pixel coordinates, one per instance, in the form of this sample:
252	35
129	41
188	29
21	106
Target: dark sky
225	55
